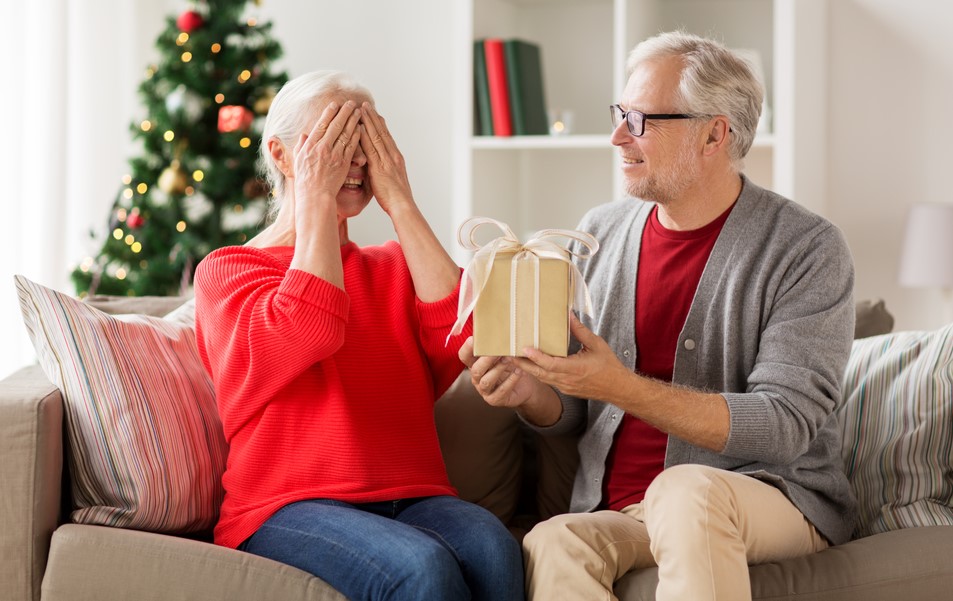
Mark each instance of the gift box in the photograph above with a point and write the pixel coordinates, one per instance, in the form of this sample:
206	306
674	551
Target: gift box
524	302
520	294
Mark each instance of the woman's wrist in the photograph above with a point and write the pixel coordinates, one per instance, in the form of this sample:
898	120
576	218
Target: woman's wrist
400	207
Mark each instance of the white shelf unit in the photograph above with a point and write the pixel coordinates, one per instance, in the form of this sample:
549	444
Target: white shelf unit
535	182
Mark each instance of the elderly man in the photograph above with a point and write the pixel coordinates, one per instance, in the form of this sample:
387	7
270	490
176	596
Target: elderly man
707	380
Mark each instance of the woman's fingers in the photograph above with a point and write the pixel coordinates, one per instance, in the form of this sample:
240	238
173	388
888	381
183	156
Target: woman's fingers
350	135
335	126
378	139
320	127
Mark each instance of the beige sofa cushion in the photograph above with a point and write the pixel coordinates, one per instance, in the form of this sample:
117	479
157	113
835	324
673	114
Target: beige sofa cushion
157	306
481	447
872	319
904	564
95	563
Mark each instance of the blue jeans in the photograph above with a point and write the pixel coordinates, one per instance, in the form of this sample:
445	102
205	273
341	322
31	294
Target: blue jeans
428	548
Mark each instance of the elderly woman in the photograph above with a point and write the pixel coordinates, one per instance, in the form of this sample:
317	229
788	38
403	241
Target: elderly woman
327	359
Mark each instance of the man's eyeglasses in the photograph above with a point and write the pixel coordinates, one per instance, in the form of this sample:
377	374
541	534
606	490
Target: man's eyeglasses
635	120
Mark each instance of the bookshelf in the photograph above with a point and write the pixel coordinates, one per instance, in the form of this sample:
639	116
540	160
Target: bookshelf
533	182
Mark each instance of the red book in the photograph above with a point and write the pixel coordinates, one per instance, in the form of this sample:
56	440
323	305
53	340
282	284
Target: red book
499	92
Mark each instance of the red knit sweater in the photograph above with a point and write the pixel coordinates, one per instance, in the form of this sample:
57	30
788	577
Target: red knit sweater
323	392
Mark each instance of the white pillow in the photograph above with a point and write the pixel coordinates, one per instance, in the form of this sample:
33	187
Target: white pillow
145	443
897	422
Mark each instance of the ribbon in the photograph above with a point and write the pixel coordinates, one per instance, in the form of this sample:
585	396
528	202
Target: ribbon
541	245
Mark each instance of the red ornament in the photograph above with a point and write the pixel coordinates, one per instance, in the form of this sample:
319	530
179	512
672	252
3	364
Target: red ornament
135	220
234	118
189	21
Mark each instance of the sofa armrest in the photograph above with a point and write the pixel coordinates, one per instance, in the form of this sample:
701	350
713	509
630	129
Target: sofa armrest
31	470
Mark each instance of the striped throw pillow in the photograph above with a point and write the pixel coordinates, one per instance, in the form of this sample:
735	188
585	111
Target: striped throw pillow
897	422
145	444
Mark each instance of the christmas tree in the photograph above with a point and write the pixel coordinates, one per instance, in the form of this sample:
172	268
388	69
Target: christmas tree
195	186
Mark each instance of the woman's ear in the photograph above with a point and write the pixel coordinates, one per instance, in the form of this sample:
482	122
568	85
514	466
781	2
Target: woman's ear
281	156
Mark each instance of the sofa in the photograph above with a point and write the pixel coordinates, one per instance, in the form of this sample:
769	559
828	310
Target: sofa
51	550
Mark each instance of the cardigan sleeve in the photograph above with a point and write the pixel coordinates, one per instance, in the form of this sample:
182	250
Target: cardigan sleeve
795	383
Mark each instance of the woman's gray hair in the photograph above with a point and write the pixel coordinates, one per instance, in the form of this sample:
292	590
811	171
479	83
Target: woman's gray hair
292	113
714	81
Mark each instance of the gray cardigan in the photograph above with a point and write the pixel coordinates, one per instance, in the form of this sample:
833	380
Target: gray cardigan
770	327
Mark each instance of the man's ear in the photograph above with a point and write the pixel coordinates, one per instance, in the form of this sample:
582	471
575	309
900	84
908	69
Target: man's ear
717	129
281	156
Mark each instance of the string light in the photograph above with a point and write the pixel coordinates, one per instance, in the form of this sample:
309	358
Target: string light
189	190
182	39
169	135
129	239
142	188
244	142
127	179
146	125
244	76
86	265
180	226
118	233
143	264
121	214
198	175
136	247
220	98
127	193
252	21
120	274
186	57
216	48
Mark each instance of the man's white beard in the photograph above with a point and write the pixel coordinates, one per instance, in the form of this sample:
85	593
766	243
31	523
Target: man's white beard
666	186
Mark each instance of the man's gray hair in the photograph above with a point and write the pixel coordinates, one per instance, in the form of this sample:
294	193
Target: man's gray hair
714	81
292	113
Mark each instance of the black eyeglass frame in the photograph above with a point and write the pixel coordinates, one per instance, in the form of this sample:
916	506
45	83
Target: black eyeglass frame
623	115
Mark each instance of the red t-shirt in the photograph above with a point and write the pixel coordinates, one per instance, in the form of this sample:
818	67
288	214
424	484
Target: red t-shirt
670	266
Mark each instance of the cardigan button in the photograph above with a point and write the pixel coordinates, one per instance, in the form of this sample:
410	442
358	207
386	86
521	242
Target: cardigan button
626	353
690	344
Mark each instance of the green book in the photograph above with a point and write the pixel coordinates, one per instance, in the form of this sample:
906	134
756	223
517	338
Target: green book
524	72
482	117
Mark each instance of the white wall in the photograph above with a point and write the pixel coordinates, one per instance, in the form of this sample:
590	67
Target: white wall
890	131
400	50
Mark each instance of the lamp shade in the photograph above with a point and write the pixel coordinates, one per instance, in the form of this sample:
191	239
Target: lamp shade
926	259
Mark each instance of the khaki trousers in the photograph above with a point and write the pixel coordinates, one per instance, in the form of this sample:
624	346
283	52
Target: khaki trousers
701	526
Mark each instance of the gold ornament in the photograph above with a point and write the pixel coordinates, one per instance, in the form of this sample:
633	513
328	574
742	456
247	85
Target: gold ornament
173	179
262	105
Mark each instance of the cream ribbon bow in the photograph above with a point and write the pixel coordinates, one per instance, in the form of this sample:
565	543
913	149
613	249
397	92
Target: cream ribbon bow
541	245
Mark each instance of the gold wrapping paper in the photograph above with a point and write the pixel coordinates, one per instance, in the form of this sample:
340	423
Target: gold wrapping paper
493	319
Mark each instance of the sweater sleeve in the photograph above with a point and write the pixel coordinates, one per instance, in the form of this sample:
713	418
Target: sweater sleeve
436	319
795	384
259	325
